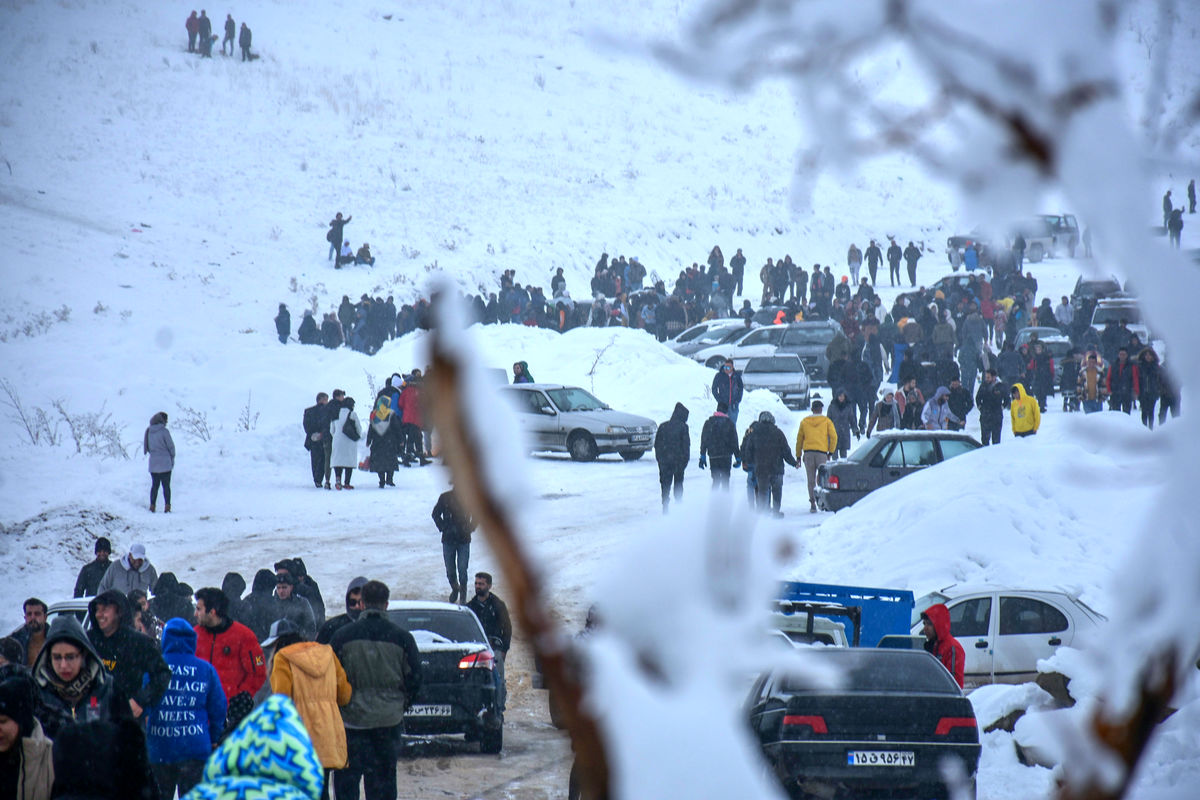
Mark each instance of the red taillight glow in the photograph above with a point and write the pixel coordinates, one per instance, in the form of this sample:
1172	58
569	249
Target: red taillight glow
481	660
832	481
945	724
816	723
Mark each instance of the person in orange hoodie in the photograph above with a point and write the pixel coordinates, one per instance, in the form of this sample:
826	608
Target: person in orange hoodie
935	625
311	675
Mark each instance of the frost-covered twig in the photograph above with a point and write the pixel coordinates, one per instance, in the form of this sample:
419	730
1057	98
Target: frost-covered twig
195	423
26	420
248	419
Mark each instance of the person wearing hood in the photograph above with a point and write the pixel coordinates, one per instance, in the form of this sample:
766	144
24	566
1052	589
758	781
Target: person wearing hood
306	586
842	413
231	647
283	323
92	573
990	402
936	416
137	667
183	729
158	444
521	373
169	601
73	685
384	442
765	451
258	608
291	606
816	442
719	442
354	606
935	625
345	431
310	674
308	333
673	450
234	586
1024	411
456	527
293	772
885	415
1147	384
26	762
960	404
131	571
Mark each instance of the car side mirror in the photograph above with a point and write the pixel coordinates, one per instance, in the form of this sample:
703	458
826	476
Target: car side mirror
548	411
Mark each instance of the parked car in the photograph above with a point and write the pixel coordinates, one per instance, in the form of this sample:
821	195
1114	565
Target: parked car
1093	290
1065	230
782	373
76	606
882	459
956	245
809	340
706	334
945	285
1117	308
457	694
567	419
1054	340
887	728
1006	631
760	341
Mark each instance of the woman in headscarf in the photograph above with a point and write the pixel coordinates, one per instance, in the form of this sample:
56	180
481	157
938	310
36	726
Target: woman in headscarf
383	438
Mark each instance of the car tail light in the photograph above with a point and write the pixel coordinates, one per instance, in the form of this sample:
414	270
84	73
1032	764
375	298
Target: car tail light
946	724
815	722
481	660
832	482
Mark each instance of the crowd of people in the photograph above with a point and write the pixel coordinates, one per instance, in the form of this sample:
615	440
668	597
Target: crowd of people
201	37
161	675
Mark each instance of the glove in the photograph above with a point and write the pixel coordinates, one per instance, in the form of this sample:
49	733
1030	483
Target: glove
737	463
703	462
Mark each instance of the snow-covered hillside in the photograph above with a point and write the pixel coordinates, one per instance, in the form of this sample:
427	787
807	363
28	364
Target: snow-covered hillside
160	206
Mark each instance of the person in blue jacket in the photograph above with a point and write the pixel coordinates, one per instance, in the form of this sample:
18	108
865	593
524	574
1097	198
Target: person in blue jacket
727	388
185	726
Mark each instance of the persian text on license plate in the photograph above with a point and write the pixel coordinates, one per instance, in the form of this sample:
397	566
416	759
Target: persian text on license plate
639	438
880	758
428	711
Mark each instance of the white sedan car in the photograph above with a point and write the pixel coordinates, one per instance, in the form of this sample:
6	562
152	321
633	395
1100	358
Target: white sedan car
755	342
1005	632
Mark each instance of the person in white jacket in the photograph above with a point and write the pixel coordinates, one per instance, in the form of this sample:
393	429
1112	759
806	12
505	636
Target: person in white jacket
346	431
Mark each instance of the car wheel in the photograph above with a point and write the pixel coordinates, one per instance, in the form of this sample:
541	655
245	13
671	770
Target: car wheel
714	362
582	447
491	740
1036	253
632	455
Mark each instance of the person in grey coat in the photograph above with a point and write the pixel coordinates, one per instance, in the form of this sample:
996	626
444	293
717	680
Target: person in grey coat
158	444
131	571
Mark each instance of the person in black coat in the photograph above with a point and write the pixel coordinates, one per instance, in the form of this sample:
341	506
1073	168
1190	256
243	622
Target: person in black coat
283	324
911	256
990	402
384	440
334	237
764	451
874	257
894	254
307	333
230	31
257	610
727	388
719	442
1149	386
244	42
673	450
456	527
138	670
316	429
960	405
91	573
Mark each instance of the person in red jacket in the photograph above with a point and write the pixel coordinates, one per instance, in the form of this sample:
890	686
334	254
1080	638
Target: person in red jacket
410	415
229	646
938	640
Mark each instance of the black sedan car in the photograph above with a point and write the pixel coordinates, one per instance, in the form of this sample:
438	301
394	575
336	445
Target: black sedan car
457	693
885	731
884	458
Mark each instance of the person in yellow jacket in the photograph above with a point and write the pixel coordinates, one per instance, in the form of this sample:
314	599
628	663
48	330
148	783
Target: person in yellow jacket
815	444
1026	416
310	674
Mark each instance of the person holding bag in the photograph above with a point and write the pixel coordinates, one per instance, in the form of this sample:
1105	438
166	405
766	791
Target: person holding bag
346	431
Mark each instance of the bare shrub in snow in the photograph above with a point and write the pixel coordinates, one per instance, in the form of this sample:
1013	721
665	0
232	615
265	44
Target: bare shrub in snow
100	308
539	80
248	418
95	433
32	422
194	424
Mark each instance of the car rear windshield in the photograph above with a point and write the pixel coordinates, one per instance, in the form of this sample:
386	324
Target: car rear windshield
867	669
574	399
863	450
456	626
815	335
774	364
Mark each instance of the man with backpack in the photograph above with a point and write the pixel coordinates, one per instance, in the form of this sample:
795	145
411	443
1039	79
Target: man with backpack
334	236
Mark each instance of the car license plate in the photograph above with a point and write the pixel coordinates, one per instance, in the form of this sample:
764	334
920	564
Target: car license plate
428	711
640	438
880	758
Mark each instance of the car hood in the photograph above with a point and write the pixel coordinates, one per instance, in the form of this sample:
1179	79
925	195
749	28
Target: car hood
609	417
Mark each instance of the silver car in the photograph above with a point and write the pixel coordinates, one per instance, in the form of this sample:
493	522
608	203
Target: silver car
567	419
783	374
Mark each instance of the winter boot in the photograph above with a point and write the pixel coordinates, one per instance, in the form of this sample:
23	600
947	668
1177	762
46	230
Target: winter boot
152	508
167	510
454	590
338	486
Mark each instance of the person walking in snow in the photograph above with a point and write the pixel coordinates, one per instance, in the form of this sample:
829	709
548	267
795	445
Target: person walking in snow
673	450
193	30
894	254
842	413
244	42
283	323
345	431
764	451
854	259
1166	207
727	388
384	441
1026	416
718	441
157	443
911	256
230	30
456	527
1175	226
334	237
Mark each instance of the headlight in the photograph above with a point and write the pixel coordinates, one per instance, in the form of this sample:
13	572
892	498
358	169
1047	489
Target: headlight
614	429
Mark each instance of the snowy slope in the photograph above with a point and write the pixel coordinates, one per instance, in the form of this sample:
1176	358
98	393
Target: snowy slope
163	206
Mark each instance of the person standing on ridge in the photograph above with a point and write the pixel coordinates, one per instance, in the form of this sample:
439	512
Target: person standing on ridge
244	42
334	237
230	31
158	444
